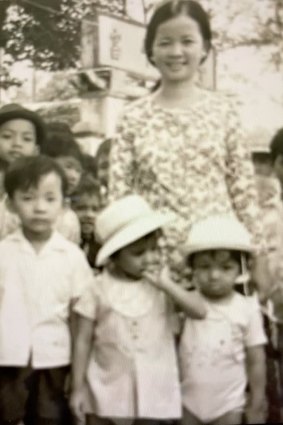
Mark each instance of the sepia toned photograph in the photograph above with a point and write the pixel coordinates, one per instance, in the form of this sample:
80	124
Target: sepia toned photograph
141	212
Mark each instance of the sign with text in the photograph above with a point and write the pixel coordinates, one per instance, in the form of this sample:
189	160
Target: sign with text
120	45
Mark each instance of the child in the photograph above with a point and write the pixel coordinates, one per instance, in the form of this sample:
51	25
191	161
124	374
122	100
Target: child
21	132
41	276
62	147
224	353
125	323
86	204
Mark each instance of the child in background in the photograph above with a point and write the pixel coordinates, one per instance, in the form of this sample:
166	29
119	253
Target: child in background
124	364
86	204
41	276
222	354
22	132
63	149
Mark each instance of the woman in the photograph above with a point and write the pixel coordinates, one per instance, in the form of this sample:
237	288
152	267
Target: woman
182	147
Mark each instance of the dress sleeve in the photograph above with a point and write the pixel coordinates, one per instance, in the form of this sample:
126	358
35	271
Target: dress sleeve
241	181
82	275
86	305
121	160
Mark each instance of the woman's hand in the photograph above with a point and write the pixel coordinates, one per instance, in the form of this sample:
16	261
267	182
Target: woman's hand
76	405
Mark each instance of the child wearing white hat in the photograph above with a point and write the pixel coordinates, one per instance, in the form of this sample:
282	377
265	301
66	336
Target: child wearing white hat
224	353
125	365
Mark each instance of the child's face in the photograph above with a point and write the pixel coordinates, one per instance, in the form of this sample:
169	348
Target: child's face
17	139
39	207
278	168
215	273
86	208
134	258
73	170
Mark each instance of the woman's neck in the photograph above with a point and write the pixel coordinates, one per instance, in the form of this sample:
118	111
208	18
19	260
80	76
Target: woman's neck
177	95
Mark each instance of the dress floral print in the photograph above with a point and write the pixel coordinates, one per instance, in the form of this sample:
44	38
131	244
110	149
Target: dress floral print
193	162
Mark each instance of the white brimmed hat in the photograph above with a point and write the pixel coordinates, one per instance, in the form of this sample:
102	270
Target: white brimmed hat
124	222
218	232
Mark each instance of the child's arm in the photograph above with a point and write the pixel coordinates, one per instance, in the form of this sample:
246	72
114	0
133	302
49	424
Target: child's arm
256	371
82	346
189	301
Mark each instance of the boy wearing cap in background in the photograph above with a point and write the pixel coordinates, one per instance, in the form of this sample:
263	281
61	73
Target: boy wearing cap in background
222	354
22	132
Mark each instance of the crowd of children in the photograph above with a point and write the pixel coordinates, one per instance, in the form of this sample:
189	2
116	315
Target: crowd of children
88	315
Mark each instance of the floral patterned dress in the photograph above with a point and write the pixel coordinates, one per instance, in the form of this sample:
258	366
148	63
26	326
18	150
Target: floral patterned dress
193	162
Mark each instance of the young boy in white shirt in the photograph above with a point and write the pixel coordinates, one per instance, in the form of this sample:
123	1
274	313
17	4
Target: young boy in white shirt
41	276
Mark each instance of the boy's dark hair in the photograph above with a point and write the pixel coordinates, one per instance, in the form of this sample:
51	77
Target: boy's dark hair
26	172
87	186
61	144
276	145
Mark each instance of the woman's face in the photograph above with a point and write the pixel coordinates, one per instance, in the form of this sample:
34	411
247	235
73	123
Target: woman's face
178	48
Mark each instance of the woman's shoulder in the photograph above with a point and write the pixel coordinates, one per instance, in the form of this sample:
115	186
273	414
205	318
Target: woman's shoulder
137	108
219	99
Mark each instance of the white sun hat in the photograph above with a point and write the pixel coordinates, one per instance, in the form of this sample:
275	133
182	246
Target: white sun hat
123	222
218	232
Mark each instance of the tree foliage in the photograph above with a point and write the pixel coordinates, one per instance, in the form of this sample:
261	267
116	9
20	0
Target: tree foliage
47	32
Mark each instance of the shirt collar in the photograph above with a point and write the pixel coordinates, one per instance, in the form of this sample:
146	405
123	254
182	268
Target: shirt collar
56	242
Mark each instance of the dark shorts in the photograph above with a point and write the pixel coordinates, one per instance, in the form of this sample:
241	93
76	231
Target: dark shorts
42	389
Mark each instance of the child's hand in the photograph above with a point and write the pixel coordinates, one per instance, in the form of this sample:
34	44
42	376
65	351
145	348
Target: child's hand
76	406
158	278
256	413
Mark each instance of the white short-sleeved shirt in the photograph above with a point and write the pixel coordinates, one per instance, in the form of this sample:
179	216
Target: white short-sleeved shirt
212	356
36	293
132	372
